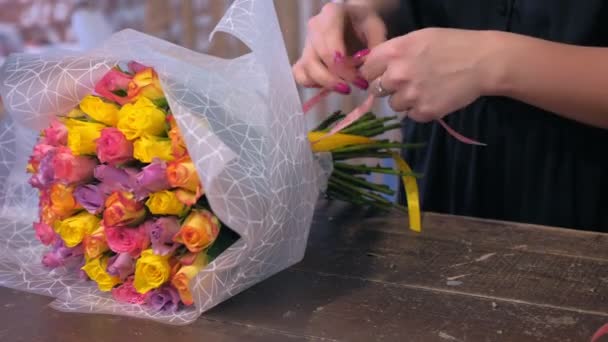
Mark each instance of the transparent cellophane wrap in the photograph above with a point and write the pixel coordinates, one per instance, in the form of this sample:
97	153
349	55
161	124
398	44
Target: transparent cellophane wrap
244	128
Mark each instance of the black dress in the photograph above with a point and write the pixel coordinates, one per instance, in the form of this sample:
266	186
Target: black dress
538	167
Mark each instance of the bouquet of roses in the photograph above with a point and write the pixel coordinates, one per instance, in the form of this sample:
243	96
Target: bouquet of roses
165	181
120	196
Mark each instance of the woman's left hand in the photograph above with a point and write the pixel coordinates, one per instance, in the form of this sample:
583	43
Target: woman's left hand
432	72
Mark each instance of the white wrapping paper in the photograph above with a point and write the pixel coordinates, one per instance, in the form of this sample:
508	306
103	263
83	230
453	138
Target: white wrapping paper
243	125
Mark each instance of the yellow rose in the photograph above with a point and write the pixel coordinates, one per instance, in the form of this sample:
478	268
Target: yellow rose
74	229
96	270
82	136
151	271
141	118
181	280
99	110
165	203
75	113
146	148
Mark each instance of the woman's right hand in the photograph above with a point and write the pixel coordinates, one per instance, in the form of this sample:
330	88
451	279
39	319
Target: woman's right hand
335	32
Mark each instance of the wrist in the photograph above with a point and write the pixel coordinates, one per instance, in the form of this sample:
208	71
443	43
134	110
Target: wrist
494	63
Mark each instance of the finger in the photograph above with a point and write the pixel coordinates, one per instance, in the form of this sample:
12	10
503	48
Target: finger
376	61
301	77
374	32
328	48
401	102
378	89
416	115
319	74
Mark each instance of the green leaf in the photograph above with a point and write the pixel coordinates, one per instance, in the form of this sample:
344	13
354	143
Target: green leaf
120	92
161	103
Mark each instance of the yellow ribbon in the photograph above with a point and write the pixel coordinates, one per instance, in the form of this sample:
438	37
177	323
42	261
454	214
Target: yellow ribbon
335	141
411	192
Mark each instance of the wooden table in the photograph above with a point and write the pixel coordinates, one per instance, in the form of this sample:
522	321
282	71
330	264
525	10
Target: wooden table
367	278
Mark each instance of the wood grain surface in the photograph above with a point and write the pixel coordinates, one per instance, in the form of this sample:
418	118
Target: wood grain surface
367	278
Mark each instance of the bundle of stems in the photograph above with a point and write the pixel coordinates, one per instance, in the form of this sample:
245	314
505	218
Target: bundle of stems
348	181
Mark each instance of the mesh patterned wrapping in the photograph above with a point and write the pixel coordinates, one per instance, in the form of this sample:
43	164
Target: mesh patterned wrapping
243	125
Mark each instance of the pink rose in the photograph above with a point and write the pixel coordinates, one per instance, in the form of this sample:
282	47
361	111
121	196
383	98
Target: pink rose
136	67
71	169
127	240
126	293
113	148
113	82
56	134
44	233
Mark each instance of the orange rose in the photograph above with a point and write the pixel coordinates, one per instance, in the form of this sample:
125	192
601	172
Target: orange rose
145	83
122	209
181	280
95	244
48	216
63	203
199	230
177	141
181	173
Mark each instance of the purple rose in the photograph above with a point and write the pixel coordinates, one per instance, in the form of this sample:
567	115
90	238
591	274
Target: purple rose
152	178
91	197
164	298
114	179
161	232
46	173
52	260
121	265
63	256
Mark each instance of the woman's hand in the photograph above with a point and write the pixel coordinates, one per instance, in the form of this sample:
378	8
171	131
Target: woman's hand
336	32
431	72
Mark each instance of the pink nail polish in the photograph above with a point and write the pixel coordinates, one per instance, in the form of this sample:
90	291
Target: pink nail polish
361	83
342	88
361	54
338	56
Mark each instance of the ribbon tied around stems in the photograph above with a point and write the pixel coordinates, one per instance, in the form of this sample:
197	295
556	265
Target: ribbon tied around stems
345	68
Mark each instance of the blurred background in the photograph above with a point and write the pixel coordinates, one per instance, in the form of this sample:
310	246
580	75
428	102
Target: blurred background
33	26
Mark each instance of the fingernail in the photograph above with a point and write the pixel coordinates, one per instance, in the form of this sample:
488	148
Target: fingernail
342	88
338	56
361	83
361	54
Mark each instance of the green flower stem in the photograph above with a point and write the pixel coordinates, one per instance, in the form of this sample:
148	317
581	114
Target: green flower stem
335	116
352	155
362	182
351	196
362	126
388	171
380	130
363	192
378	146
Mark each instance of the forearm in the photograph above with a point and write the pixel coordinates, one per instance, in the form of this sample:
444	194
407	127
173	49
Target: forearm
571	81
